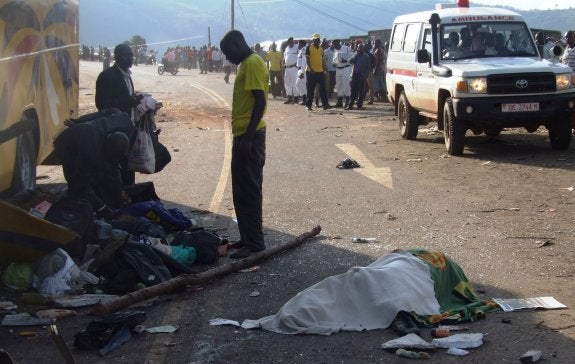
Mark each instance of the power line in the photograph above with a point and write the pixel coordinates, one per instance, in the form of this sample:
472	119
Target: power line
176	40
347	13
330	16
373	7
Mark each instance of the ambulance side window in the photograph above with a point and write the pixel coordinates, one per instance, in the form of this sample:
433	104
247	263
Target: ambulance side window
427	40
396	41
411	37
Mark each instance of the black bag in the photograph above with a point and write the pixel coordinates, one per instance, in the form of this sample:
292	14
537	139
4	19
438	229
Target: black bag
77	215
99	332
140	192
163	156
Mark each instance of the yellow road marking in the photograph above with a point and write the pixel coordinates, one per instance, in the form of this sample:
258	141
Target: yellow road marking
173	311
378	174
225	172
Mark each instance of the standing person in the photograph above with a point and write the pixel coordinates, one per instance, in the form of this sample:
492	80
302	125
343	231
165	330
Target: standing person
107	58
203	59
341	58
315	72
217	59
260	51
378	71
249	145
328	54
361	69
301	81
227	68
290	74
275	65
568	56
115	89
114	86
135	53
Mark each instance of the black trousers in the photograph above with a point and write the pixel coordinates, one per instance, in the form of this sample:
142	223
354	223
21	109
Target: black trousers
357	89
247	181
314	78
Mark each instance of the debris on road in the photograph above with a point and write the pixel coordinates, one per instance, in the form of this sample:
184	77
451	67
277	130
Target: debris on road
409	341
460	341
364	240
25	319
348	163
532	356
167	329
457	352
412	354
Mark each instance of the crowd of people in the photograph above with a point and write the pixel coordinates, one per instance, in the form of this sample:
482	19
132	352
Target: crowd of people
314	72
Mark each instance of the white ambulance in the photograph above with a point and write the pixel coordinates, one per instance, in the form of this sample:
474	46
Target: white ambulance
477	69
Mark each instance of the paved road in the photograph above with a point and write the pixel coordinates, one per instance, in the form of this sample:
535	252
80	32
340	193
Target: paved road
489	210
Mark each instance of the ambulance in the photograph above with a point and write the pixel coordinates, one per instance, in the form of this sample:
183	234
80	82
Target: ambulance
475	69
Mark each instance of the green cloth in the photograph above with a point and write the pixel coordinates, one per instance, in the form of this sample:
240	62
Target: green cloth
457	297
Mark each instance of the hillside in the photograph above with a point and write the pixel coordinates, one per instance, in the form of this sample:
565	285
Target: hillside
162	24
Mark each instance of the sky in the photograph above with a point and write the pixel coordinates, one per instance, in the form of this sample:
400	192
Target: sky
529	4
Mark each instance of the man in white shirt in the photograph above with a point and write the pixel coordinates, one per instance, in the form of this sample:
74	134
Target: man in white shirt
290	75
301	81
341	58
568	56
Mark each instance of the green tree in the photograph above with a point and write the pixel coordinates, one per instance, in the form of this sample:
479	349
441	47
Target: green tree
137	41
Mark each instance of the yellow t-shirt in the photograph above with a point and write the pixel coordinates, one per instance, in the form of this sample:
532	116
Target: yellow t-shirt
252	75
275	59
315	63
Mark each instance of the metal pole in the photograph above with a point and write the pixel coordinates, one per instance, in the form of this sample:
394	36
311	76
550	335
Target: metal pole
232	14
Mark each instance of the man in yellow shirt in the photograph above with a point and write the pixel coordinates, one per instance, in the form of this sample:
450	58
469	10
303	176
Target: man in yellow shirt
315	72
275	63
251	88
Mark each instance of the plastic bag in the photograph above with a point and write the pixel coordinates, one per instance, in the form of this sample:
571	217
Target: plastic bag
142	156
18	276
57	273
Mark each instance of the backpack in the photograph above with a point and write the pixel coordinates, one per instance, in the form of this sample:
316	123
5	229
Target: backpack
77	215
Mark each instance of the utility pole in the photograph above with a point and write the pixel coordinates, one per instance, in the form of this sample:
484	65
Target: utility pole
209	37
232	14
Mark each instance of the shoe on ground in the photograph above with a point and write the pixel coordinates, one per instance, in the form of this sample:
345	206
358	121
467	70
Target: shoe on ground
327	107
288	101
339	104
236	245
243	252
370	102
308	108
348	107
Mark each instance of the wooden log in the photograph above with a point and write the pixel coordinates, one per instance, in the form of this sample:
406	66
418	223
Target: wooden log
199	278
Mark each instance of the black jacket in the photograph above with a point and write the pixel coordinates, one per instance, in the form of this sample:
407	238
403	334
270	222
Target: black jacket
112	91
88	173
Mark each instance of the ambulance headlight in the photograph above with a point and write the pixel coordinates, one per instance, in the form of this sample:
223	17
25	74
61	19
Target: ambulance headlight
477	85
563	81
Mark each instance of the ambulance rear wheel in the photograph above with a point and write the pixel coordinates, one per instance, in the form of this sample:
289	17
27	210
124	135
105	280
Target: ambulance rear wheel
408	118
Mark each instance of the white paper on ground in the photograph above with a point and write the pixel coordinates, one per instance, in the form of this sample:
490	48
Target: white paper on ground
459	341
513	304
221	322
409	341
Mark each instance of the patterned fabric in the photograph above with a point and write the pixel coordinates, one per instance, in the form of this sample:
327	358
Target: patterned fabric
456	295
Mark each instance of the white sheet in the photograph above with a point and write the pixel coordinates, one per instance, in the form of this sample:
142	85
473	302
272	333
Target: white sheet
363	298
